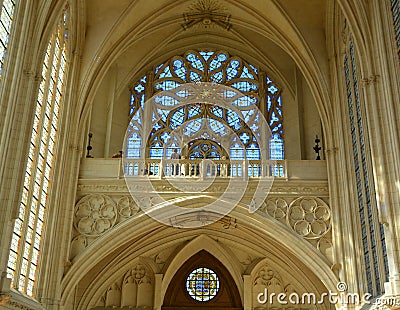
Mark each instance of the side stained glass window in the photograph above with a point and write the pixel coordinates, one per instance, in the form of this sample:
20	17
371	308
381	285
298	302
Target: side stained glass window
372	233
207	66
24	258
395	6
6	21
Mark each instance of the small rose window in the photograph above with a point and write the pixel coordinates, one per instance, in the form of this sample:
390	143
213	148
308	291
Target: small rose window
202	284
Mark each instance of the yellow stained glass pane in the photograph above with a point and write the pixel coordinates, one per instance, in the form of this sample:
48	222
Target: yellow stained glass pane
36	243
44	196
41	212
39	227
36	189
35	256
24	266
18	226
9	6
31	277
29	288
12	263
47	172
3	34
27	179
21	284
29	234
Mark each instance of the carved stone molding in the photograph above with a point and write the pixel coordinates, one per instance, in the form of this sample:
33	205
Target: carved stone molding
126	207
292	188
7	301
102	188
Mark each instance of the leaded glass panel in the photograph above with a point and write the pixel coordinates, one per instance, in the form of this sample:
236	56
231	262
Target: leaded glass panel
202	284
370	243
26	242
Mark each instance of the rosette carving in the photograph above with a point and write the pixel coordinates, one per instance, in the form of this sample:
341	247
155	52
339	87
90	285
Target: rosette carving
310	217
277	208
95	214
127	207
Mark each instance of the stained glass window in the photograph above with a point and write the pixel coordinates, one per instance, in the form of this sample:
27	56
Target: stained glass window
23	263
205	149
396	22
6	21
202	284
208	66
370	239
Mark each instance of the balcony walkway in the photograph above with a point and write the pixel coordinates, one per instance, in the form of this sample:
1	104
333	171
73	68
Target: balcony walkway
105	168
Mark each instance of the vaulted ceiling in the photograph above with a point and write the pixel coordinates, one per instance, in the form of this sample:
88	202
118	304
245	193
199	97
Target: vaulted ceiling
133	35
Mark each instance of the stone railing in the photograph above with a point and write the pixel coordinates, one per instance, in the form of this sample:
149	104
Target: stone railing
92	168
159	168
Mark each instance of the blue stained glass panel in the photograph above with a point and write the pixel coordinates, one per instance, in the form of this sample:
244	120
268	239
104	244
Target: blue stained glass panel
213	66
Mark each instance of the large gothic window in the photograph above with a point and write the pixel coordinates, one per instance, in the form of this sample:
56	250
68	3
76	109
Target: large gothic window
372	233
24	258
207	66
6	21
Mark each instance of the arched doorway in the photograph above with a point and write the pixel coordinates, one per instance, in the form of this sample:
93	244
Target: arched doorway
202	282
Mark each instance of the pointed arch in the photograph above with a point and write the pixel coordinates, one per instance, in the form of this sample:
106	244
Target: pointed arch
202	243
202	282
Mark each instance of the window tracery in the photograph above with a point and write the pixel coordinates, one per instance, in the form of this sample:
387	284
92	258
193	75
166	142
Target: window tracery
206	66
372	232
23	262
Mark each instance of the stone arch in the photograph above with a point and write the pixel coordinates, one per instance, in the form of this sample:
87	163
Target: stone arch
202	243
270	238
